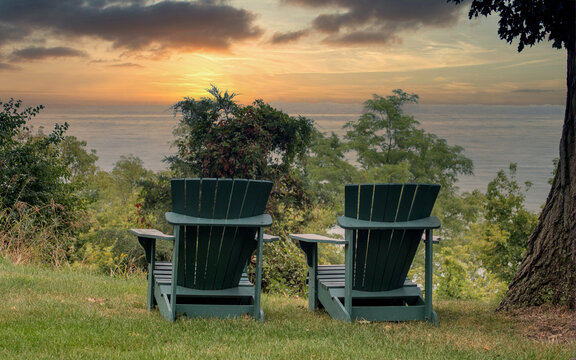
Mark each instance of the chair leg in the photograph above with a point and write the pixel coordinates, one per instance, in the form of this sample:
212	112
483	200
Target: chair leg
313	280
429	314
258	313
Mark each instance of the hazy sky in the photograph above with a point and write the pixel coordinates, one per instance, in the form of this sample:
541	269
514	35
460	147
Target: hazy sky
138	51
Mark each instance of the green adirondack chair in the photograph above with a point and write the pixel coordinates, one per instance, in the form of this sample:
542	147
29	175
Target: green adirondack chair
383	224
218	224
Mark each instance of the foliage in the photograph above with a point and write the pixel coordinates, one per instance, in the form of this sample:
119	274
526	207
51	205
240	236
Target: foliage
283	269
81	164
385	137
507	226
457	212
25	236
42	187
33	172
530	21
127	176
219	138
458	276
328	169
156	199
107	246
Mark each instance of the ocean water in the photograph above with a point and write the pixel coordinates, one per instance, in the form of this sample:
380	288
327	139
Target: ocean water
492	136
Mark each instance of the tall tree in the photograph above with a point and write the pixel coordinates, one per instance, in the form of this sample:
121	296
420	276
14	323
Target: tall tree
547	273
387	139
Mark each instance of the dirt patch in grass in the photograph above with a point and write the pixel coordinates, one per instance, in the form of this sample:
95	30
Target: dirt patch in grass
546	323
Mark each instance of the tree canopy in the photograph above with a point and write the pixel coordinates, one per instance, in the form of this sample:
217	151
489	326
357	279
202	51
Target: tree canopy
35	166
386	138
530	21
217	137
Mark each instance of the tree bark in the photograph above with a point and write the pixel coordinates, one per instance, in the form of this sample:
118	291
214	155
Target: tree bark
547	273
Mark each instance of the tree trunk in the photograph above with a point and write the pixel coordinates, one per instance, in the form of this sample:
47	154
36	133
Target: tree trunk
548	272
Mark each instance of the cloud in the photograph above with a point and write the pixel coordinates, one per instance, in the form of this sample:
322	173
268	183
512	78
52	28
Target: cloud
126	65
533	91
379	22
283	38
9	33
8	67
40	53
131	24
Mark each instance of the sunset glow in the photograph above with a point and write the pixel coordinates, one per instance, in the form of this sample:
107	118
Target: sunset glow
157	52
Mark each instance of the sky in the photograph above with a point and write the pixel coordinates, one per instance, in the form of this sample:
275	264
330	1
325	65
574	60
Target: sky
131	52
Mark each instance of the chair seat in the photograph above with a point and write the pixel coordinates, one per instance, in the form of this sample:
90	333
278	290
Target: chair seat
333	276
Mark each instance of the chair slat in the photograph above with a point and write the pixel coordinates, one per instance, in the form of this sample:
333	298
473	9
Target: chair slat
392	258
365	202
192	197
189	258
221	207
222	202
237	198
366	192
181	259
222	277
207	197
379	205
361	245
377	257
261	199
395	258
213	258
178	195
406	201
257	194
379	240
424	200
351	201
386	198
392	199
412	241
240	252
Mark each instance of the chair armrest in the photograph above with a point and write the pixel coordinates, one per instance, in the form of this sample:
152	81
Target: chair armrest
147	238
253	221
313	238
151	234
431	222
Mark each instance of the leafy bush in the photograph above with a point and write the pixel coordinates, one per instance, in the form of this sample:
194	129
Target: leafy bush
26	236
107	246
507	225
42	199
33	171
284	269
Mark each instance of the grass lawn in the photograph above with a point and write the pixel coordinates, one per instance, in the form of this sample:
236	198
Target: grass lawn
68	314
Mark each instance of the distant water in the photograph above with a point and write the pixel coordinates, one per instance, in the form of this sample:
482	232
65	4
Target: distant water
493	136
